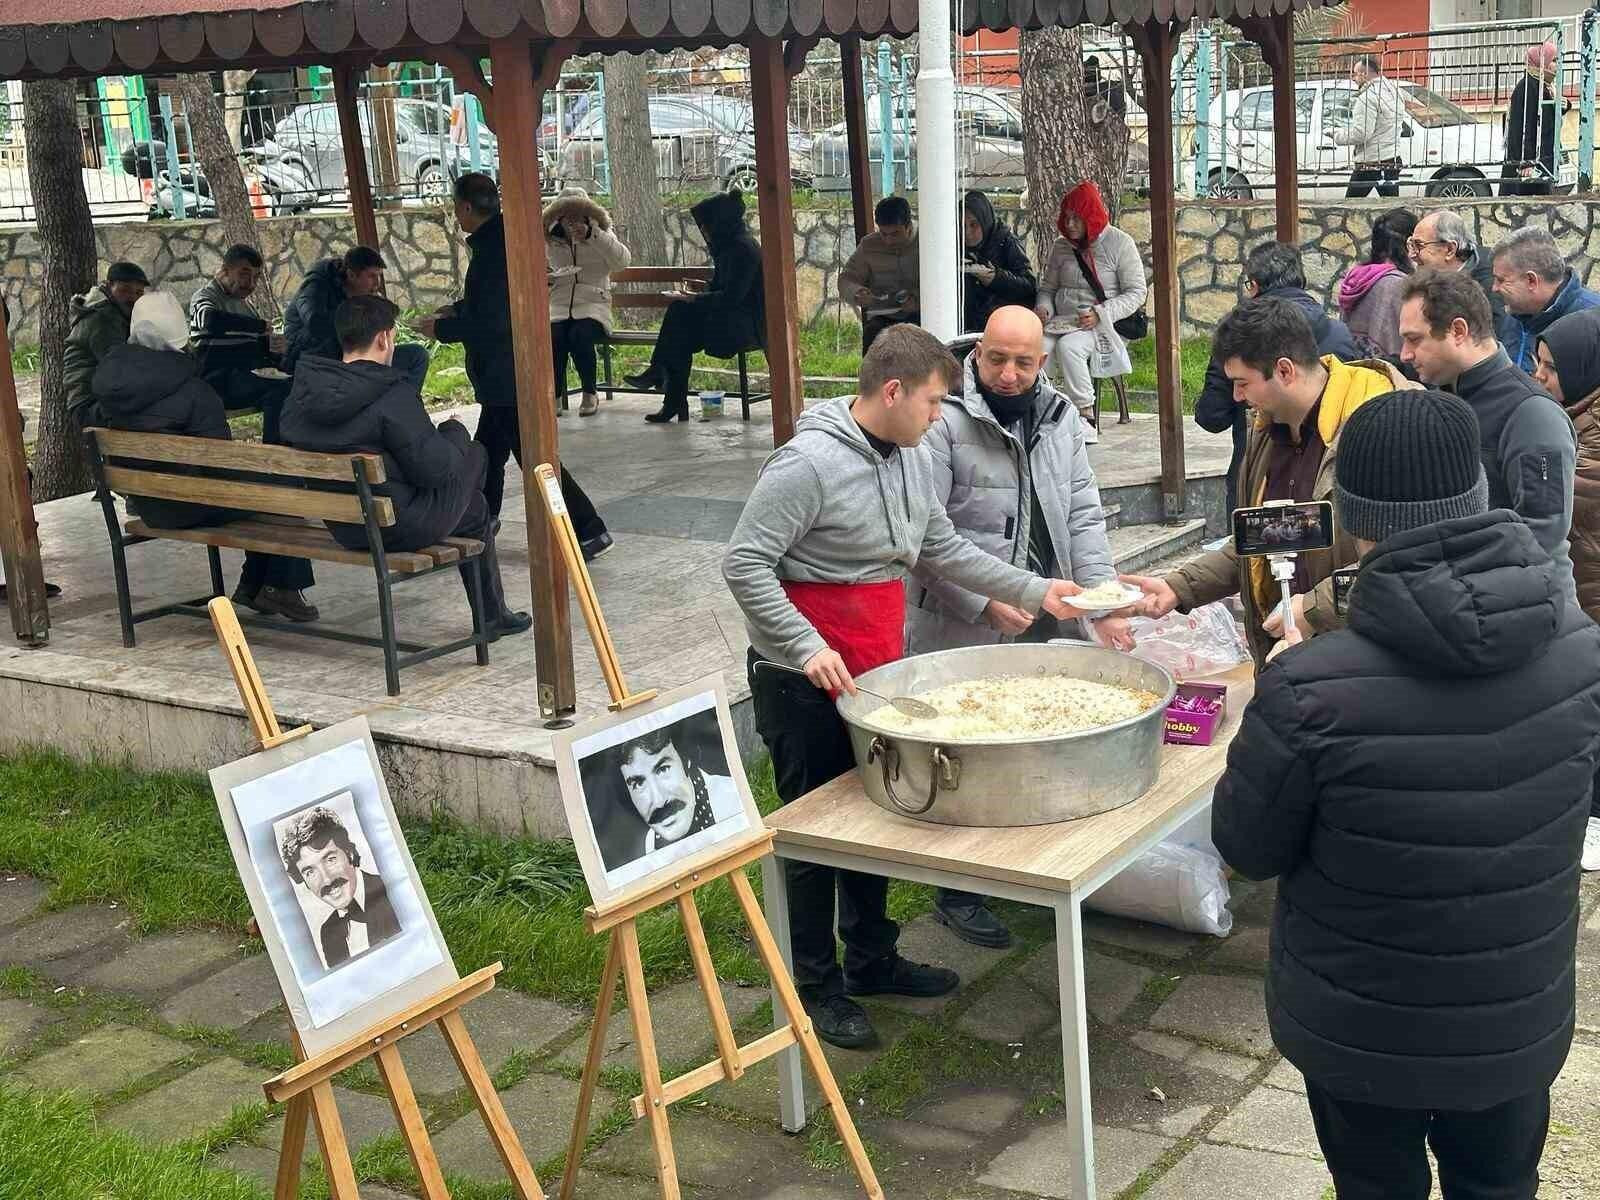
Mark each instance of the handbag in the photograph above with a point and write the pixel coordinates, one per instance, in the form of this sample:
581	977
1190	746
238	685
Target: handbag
1132	327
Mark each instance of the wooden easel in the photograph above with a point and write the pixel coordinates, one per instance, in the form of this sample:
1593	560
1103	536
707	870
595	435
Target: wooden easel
623	958
308	1086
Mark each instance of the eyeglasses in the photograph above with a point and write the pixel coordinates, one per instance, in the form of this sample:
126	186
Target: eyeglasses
1417	246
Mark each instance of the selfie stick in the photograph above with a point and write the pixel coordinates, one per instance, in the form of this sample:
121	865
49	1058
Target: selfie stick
1283	572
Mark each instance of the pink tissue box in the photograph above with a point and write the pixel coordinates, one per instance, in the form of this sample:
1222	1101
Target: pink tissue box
1197	729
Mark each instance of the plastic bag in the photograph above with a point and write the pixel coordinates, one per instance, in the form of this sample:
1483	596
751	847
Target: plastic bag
1203	642
1180	882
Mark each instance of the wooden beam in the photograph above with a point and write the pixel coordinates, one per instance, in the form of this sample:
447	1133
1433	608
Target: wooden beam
1275	35
1155	42
855	123
775	194
357	177
517	107
467	72
19	531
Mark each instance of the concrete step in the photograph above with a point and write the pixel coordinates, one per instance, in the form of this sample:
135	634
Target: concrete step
1136	547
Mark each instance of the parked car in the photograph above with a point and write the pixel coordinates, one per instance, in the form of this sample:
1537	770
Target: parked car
1445	150
285	179
701	139
427	158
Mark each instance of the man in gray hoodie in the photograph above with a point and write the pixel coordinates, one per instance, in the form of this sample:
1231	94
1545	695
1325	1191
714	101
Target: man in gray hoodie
837	519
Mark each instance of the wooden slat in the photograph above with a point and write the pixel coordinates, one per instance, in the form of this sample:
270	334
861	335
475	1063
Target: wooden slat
606	17
230	34
713	1072
256	497
561	17
403	1100
281	31
182	37
292	1149
237	456
690	17
839	16
330	26
48	48
770	16
274	539
1097	12
775	193
903	16
1020	13
732	17
13	51
335	1150
592	1061
649	18
91	45
700	868
644	1040
381	23
501	1132
436	21
721	1027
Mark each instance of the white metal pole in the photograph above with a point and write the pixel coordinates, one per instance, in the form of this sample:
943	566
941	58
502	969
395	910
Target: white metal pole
939	232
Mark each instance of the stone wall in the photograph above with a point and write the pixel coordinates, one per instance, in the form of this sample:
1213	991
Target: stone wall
427	256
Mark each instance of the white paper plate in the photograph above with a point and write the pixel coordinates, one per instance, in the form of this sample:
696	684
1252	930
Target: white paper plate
1131	594
563	272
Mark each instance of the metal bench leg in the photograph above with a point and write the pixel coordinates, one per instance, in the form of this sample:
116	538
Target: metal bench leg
119	566
480	631
214	557
744	385
391	648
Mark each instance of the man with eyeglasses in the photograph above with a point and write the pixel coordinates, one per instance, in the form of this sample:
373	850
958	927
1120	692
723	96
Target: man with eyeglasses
1442	241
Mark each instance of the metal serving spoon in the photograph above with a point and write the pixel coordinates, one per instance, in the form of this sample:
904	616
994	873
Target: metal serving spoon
916	709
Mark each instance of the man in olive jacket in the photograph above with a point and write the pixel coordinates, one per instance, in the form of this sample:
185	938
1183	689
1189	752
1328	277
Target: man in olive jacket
100	321
1419	783
1300	404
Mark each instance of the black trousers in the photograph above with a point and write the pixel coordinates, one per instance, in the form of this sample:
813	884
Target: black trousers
501	436
1377	1153
809	746
576	339
682	336
1385	178
244	389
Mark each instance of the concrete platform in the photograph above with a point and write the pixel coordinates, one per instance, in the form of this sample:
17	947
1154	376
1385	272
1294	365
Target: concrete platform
466	739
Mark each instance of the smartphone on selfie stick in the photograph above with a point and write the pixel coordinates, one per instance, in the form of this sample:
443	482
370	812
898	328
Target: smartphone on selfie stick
1279	531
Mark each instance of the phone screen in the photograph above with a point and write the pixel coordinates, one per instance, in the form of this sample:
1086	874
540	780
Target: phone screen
1283	528
1343	581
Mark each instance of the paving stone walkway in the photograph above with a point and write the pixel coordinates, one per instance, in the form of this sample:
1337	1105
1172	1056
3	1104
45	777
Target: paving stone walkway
173	1035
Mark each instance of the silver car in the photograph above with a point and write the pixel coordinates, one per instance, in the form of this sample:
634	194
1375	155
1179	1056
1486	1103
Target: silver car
428	160
988	141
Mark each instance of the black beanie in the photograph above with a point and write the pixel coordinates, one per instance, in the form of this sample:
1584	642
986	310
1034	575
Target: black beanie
1408	459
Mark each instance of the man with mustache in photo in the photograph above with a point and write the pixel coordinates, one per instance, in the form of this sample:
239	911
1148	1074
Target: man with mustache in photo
673	796
319	855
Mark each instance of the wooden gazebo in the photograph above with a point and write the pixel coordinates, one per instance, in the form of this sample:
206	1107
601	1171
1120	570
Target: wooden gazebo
525	43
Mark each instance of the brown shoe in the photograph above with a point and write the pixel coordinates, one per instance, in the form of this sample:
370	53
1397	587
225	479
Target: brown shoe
590	405
285	602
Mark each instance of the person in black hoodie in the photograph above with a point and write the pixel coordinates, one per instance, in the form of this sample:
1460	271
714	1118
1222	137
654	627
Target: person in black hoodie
435	475
729	316
997	270
1271	269
481	320
150	385
308	321
1420	782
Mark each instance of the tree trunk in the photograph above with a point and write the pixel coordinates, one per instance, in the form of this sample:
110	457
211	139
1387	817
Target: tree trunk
635	208
234	84
208	133
67	246
385	135
1065	144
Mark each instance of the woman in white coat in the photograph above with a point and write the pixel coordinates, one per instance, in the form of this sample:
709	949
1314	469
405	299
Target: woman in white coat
1093	279
583	252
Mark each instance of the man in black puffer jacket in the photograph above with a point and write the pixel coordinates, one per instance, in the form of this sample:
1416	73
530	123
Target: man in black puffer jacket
1420	782
1272	269
435	475
308	319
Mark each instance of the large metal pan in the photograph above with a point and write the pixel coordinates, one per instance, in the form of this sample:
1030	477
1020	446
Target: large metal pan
1009	781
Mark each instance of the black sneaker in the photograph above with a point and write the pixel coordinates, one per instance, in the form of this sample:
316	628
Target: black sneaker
973	923
841	1022
896	976
594	547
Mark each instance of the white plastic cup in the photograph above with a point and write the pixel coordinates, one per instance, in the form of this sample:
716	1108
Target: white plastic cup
711	405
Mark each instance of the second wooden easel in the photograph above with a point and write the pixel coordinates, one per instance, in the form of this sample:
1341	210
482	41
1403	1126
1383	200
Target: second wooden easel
623	959
307	1087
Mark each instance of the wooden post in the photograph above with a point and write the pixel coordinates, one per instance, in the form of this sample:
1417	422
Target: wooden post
19	531
357	177
774	189
517	113
855	123
1155	41
1285	133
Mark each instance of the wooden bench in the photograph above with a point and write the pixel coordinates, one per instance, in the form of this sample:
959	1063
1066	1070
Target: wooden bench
665	279
288	494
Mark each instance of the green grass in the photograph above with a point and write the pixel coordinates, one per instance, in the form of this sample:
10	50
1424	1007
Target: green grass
54	1148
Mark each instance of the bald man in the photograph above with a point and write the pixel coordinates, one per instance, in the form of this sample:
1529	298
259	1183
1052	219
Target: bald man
1011	468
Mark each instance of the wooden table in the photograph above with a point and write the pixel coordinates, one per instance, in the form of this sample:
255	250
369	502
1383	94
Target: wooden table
1054	866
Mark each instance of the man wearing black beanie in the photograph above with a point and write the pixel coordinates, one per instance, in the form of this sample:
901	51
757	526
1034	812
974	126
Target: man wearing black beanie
1420	783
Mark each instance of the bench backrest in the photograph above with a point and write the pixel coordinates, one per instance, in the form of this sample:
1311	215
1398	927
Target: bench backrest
243	475
664	279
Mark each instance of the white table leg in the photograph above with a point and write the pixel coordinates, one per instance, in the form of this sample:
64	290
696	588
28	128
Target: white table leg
1075	1046
791	1076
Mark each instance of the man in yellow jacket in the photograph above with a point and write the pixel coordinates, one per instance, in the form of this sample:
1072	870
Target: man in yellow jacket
1300	404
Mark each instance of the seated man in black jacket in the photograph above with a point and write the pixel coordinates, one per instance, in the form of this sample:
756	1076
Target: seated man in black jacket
148	384
1419	783
308	321
435	475
1272	269
729	316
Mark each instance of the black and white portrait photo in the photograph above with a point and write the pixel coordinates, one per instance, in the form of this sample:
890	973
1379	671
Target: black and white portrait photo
657	787
342	892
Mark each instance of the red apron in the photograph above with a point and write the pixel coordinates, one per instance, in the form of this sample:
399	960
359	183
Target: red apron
863	622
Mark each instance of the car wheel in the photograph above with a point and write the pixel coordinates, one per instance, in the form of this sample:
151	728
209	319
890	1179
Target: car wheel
743	178
433	182
1232	187
1459	185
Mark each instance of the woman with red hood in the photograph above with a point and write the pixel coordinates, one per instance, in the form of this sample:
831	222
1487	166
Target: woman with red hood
1093	279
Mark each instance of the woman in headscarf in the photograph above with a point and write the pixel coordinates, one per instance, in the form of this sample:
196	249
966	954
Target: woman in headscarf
1093	279
1369	293
1531	137
997	270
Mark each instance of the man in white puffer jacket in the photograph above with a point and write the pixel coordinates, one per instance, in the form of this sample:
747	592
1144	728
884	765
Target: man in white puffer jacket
579	243
1377	115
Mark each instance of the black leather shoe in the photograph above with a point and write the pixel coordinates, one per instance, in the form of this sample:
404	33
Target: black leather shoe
285	602
643	380
509	623
896	976
841	1022
973	923
667	412
594	547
